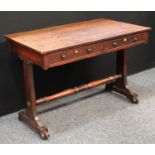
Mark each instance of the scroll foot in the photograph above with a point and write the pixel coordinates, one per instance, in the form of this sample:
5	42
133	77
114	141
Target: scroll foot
123	90
34	123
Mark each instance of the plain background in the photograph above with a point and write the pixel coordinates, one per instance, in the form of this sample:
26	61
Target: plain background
56	79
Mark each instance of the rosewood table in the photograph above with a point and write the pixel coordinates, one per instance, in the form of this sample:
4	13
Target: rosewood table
55	46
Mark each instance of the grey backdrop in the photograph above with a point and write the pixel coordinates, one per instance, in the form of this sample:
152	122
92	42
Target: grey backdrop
57	79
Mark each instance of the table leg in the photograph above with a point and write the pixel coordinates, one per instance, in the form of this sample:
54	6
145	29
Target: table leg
120	85
29	115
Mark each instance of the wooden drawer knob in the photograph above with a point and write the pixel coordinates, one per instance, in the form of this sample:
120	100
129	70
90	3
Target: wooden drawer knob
89	50
125	39
76	51
63	56
135	39
115	44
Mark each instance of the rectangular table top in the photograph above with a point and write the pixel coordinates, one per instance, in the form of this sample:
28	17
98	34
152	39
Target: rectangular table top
50	39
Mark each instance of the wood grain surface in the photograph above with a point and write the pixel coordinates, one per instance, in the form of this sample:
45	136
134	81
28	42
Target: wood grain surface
51	39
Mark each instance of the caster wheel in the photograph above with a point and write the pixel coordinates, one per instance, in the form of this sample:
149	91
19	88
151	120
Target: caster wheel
44	135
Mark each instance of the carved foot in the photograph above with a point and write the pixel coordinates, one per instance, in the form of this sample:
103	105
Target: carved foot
34	124
132	96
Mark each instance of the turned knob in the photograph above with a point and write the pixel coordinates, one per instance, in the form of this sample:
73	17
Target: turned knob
115	44
63	56
125	39
135	39
89	50
76	51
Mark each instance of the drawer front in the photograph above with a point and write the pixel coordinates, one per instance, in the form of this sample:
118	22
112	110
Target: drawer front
75	54
92	50
125	42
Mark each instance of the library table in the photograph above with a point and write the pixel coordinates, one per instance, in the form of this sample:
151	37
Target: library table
60	45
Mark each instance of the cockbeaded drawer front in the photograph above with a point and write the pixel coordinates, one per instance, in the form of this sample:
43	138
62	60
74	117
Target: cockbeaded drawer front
74	54
125	42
